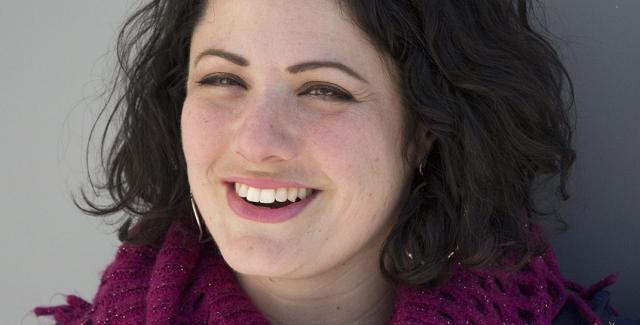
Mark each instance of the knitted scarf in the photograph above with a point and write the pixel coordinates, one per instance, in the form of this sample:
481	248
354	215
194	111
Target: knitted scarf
186	282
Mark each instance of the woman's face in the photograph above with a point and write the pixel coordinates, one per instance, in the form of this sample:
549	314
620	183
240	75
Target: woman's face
265	108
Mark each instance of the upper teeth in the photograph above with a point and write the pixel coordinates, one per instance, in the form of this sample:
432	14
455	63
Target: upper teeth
270	195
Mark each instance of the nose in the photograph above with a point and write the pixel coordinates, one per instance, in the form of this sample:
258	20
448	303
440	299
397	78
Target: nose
264	131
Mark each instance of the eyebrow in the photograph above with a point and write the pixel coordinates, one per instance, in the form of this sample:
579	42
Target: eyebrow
296	68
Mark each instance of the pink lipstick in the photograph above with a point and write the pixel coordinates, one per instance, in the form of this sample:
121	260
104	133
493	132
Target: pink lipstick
246	210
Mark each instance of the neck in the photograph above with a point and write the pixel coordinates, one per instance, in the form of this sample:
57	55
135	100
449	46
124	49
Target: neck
353	293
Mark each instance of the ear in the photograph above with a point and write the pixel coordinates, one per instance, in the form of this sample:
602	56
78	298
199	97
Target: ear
424	143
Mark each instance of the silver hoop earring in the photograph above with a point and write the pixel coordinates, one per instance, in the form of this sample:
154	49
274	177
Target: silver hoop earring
410	256
197	216
452	252
420	169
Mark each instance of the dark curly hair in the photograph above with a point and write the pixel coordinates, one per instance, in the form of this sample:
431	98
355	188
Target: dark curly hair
491	89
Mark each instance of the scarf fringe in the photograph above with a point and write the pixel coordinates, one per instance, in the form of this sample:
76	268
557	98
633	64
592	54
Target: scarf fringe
75	312
580	294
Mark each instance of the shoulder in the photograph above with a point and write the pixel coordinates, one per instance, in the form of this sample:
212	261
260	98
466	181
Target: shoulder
121	292
124	284
141	283
533	295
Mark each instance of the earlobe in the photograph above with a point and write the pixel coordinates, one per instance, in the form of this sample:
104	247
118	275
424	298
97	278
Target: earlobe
426	138
429	139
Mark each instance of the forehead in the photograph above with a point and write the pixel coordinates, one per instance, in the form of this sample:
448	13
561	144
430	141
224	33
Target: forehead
286	30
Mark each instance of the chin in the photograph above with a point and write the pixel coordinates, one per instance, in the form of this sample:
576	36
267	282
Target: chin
256	256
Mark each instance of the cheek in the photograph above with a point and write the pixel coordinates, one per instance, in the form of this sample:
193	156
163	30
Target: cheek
335	145
352	147
360	154
202	128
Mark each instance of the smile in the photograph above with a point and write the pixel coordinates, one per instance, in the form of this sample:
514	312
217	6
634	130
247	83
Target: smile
273	205
272	197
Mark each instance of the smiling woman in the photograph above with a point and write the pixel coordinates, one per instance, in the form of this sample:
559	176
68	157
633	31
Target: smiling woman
334	162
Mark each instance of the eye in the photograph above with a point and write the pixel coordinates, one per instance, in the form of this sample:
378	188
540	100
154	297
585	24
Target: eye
322	91
221	80
326	92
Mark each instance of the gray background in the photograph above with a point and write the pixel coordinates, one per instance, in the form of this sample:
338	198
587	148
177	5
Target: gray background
55	57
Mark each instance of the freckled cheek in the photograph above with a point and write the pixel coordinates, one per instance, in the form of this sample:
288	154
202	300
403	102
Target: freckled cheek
203	133
345	149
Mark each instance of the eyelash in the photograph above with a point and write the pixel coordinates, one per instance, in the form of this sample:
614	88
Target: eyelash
338	95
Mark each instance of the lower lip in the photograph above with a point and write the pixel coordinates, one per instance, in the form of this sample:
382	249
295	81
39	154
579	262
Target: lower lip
265	215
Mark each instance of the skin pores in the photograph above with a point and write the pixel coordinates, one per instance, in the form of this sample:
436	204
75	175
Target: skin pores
262	120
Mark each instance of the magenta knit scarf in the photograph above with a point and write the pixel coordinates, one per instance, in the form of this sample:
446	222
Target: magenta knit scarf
185	282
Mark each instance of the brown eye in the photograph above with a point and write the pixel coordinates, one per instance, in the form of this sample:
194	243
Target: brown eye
326	92
220	80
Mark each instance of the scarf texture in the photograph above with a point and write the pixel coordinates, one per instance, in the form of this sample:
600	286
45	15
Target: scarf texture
188	282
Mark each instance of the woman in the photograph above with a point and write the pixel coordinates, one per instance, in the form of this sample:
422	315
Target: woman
334	162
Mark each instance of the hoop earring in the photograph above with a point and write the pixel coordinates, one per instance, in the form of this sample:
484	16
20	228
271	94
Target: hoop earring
197	216
410	256
420	167
466	211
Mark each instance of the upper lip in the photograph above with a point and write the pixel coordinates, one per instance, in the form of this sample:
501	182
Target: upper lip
265	183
